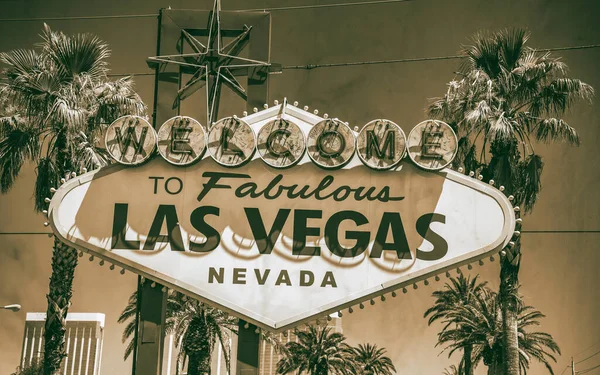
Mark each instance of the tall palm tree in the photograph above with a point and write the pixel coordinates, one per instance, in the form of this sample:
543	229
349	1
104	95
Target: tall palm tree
129	316
459	292
56	102
371	360
196	328
33	368
510	95
479	325
452	370
317	352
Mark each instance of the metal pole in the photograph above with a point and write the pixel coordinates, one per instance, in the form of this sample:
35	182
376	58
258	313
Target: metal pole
151	302
157	72
137	322
572	366
152	307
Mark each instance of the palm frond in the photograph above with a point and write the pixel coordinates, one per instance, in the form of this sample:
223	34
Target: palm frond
77	54
48	176
20	62
482	55
511	46
530	181
553	129
558	95
19	143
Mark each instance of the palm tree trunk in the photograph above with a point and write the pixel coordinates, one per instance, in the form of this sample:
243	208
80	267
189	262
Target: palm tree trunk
509	287
496	367
467	359
64	261
199	364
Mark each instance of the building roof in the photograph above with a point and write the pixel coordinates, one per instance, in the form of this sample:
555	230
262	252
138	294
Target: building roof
73	317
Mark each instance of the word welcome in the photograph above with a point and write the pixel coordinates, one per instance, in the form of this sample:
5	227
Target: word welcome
231	142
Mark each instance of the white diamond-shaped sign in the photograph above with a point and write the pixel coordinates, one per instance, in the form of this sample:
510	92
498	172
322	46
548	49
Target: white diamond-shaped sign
277	247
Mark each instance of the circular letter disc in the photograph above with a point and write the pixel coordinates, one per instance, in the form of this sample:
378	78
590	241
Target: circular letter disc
432	144
181	140
281	143
330	143
231	142
130	140
381	144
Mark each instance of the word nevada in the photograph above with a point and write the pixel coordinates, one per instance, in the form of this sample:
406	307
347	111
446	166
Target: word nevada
281	143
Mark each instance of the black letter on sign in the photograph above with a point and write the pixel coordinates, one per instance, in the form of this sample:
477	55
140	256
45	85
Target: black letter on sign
239	276
131	137
214	177
214	275
399	244
120	228
173	237
301	231
328	279
226	134
331	234
388	144
283	278
180	139
212	235
263	242
261	278
440	246
303	278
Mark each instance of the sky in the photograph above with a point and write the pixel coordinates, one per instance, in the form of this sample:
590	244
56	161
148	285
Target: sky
560	238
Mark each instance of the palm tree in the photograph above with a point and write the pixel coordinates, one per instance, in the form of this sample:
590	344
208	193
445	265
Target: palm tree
479	325
196	328
33	368
458	292
56	102
509	95
452	370
129	316
317	352
371	360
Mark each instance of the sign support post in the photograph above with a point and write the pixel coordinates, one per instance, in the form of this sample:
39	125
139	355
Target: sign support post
151	303
150	335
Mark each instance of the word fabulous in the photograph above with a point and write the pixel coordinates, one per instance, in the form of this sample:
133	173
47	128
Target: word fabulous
281	143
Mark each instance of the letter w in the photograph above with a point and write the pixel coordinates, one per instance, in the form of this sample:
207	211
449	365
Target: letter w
130	137
265	242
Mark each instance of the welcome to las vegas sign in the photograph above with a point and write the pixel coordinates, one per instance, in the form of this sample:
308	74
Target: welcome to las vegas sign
282	216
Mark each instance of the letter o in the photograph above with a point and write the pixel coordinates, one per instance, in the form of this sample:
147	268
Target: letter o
167	185
330	144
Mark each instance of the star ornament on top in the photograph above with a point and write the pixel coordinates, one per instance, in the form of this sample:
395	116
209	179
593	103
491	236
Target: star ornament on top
213	65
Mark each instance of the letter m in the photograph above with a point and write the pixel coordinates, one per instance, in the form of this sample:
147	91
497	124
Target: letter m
130	139
388	145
